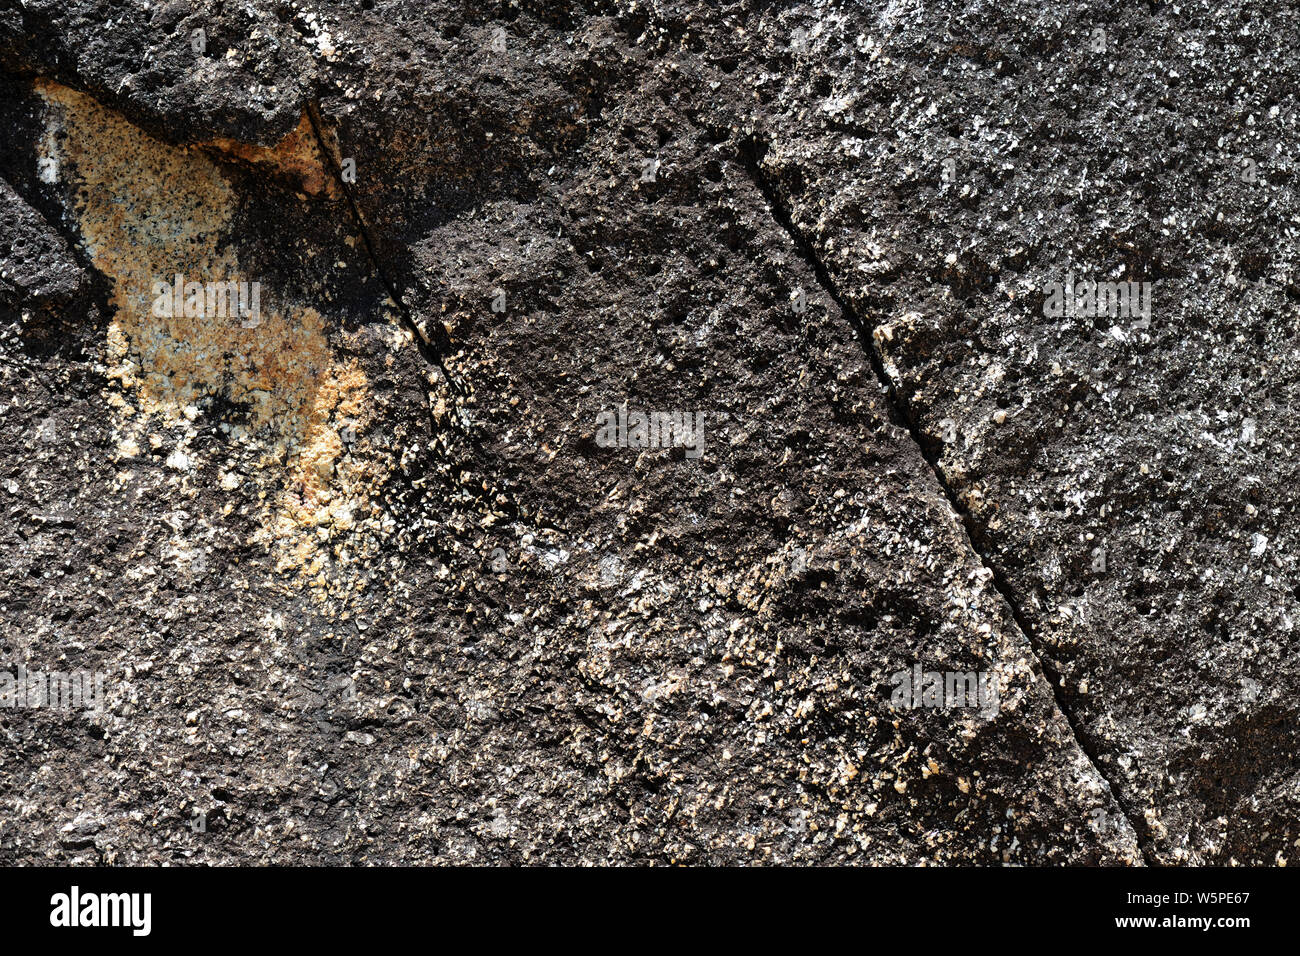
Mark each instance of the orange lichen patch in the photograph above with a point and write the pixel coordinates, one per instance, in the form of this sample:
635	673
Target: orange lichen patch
148	211
297	156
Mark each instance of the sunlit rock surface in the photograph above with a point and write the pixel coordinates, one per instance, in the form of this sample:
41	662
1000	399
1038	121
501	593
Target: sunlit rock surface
312	326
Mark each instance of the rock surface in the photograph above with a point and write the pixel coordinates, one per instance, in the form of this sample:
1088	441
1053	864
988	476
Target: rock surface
362	575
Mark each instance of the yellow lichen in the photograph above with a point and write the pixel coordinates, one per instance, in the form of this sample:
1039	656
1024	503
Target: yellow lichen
147	211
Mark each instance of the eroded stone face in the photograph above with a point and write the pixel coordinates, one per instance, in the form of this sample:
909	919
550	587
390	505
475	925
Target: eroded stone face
444	621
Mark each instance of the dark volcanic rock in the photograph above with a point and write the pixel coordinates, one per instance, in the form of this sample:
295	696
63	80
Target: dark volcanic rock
241	70
1128	477
38	265
366	580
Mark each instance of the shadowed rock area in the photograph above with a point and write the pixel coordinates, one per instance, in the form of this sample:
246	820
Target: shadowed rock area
324	336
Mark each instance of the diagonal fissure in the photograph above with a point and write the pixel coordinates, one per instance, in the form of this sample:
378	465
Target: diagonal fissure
752	151
434	349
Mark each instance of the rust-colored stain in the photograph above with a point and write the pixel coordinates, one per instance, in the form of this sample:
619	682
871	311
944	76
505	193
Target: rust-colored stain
148	210
297	156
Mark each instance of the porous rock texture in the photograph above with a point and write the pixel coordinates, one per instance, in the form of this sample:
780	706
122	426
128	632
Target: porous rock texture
366	586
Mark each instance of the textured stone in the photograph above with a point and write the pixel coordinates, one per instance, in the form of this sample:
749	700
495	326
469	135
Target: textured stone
366	582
